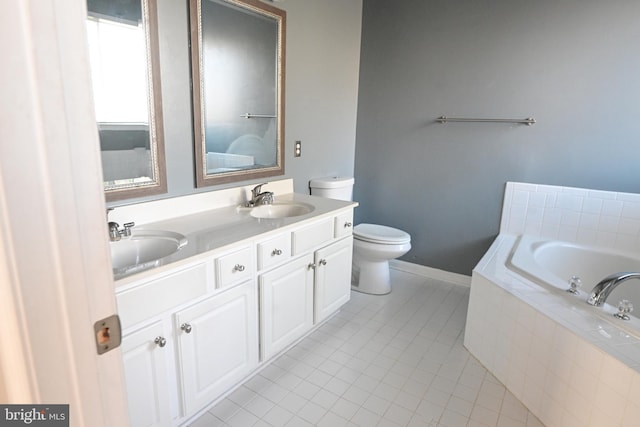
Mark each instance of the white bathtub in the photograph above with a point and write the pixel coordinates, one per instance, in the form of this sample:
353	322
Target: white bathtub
553	263
557	354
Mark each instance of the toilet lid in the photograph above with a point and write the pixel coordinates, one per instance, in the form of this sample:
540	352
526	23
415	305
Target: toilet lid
380	234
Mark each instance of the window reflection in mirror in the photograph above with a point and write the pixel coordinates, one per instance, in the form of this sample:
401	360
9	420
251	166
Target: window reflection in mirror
123	53
238	69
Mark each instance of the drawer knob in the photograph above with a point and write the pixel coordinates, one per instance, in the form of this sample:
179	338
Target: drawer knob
347	225
186	327
160	341
238	267
276	252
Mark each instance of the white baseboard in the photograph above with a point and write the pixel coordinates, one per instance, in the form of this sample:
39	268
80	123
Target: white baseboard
431	273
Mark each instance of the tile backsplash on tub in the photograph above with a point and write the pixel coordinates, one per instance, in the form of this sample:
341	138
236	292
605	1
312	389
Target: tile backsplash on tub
589	217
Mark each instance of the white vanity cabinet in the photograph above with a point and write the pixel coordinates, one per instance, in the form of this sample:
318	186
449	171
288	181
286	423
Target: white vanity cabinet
217	344
195	331
147	359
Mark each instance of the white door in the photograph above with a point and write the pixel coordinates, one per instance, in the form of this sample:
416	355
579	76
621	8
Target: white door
144	354
55	273
286	305
218	344
333	278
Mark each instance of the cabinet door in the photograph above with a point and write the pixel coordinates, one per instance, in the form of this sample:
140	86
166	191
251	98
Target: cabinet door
146	376
218	344
286	305
332	278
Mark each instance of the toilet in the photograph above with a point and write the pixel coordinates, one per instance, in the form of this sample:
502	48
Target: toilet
373	245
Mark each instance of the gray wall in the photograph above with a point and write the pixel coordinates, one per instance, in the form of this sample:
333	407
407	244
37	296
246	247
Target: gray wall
323	59
322	65
574	65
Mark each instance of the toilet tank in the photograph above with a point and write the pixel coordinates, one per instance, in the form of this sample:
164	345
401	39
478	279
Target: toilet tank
333	187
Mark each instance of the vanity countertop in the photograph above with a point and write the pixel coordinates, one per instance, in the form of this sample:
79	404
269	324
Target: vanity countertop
216	228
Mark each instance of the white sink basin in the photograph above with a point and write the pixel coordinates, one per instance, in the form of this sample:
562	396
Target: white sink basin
281	210
143	249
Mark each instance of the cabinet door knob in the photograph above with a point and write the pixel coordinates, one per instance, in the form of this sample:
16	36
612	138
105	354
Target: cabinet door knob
160	341
186	327
347	225
276	252
238	267
311	266
323	262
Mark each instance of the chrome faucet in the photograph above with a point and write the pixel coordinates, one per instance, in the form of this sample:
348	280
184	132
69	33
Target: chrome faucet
260	198
602	290
115	233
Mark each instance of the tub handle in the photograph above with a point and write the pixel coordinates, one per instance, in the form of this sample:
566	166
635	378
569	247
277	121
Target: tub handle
624	307
574	284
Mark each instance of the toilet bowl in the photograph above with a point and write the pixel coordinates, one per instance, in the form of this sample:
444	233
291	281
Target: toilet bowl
373	245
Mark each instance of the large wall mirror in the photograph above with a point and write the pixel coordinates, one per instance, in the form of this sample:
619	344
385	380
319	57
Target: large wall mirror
237	51
123	49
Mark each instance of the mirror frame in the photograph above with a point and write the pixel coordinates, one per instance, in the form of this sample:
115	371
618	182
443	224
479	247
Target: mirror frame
156	128
195	25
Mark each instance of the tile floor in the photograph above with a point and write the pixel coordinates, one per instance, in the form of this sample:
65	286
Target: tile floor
393	360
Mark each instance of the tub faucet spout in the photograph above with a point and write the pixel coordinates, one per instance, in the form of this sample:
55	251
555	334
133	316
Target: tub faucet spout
601	291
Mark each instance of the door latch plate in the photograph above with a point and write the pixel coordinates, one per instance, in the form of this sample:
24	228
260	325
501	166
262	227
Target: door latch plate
108	333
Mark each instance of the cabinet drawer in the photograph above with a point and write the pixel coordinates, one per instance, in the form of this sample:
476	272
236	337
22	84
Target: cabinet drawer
159	295
234	267
343	224
312	236
273	251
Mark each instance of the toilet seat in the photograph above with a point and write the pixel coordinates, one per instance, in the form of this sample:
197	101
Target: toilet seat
380	234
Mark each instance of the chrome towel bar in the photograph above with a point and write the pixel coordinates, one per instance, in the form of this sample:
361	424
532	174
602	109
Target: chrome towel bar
528	121
257	116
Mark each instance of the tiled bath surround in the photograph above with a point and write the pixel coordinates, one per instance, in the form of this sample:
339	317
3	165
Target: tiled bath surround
589	217
567	366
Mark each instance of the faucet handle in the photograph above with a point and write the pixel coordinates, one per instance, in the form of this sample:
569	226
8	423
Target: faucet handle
257	188
574	284
127	228
624	307
267	198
